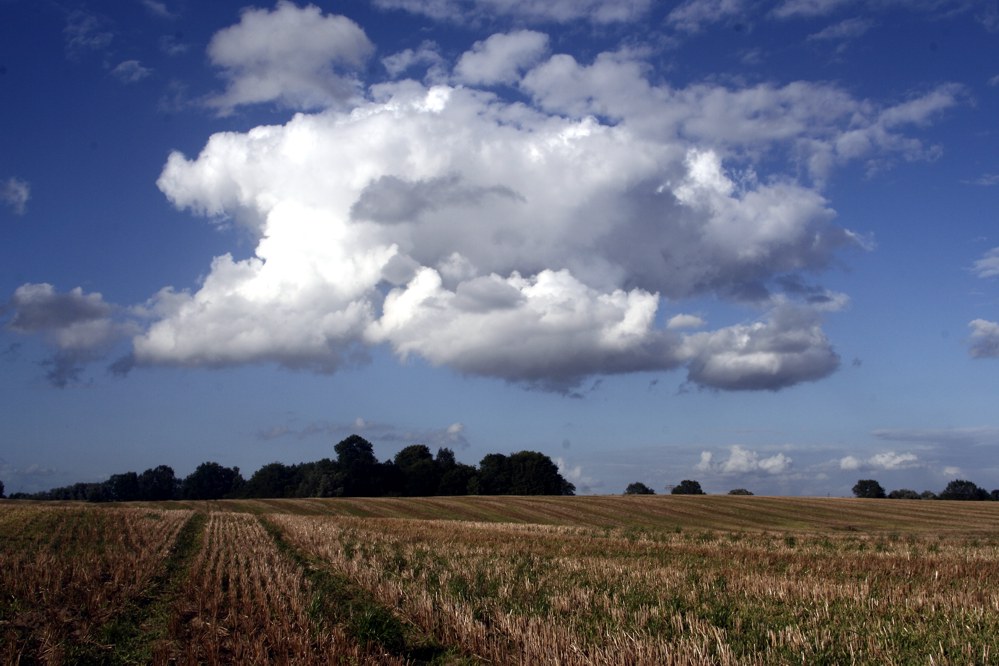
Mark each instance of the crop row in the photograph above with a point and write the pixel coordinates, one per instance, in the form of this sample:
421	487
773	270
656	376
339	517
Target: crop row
67	572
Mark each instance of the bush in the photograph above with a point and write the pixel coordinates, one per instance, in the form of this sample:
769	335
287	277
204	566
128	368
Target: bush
904	493
739	491
638	488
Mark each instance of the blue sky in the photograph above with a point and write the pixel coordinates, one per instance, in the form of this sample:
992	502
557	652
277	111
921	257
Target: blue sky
749	243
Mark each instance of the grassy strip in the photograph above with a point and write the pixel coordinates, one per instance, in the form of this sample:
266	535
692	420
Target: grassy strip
336	600
132	635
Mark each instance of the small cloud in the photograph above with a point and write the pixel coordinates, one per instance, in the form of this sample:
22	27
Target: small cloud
807	8
298	57
952	471
15	193
158	9
994	81
427	55
885	461
744	461
988	265
681	321
131	71
843	31
986	180
80	326
86	32
984	339
172	45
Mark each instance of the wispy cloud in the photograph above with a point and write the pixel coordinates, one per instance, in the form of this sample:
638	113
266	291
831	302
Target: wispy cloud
15	193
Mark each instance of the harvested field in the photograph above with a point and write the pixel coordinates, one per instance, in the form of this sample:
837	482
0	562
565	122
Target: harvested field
508	580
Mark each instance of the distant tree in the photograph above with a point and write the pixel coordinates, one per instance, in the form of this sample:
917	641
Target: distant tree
210	481
521	473
420	472
533	473
994	495
959	489
638	488
928	495
158	484
739	491
687	487
273	480
493	477
904	493
1	490
123	487
869	489
454	476
358	471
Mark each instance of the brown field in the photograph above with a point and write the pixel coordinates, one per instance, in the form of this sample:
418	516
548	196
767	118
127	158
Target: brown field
508	580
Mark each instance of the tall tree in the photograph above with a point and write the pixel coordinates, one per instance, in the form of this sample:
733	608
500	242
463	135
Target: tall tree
358	471
638	488
868	489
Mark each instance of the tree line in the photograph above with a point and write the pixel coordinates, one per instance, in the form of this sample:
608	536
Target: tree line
958	489
356	472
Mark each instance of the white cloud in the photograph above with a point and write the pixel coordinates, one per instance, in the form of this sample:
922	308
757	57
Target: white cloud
501	58
157	8
15	193
787	349
295	56
539	11
86	32
744	461
808	8
821	124
542	264
131	71
951	471
845	30
533	242
692	15
884	461
684	321
427	55
988	265
984	339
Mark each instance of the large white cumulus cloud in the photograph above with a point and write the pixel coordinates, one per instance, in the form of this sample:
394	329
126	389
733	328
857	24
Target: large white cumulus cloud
540	239
517	244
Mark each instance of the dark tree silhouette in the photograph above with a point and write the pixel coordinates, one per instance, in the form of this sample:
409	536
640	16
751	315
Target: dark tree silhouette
211	480
687	487
158	484
959	489
358	469
739	491
904	493
869	489
1	490
420	473
638	488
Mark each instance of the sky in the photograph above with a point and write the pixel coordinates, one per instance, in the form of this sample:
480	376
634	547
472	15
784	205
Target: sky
750	243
